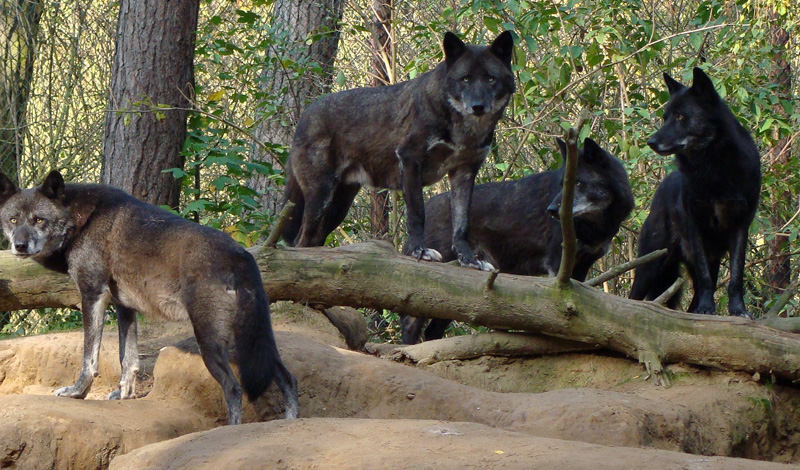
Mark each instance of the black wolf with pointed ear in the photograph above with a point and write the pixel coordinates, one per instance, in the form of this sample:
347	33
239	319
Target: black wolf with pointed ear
405	136
119	250
704	210
515	223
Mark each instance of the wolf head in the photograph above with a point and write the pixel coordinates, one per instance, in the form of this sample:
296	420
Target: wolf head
479	79
602	184
35	221
690	117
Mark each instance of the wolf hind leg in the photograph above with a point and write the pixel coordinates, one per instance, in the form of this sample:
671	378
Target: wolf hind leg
436	328
128	354
287	384
93	306
411	329
215	357
340	205
293	193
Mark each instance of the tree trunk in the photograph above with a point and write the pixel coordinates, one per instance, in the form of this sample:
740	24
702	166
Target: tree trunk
374	275
152	68
19	25
383	74
296	21
778	268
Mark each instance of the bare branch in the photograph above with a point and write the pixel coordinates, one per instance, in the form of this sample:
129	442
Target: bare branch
567	195
625	267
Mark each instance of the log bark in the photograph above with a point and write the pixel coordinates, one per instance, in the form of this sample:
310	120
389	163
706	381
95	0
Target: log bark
373	275
495	343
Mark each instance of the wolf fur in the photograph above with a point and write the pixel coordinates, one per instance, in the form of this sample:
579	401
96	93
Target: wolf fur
403	136
515	223
138	257
703	210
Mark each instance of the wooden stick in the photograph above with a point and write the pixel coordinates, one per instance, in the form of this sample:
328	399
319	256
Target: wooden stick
567	195
670	292
280	222
625	267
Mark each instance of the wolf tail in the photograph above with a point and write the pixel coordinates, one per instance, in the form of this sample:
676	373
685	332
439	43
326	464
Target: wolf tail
256	351
292	192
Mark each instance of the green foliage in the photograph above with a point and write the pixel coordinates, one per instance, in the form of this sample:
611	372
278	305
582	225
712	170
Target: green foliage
607	55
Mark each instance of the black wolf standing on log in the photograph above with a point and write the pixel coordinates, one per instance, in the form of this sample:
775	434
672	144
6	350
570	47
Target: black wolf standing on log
403	136
144	259
515	224
704	209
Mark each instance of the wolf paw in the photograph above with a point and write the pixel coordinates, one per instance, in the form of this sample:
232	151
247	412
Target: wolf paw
741	313
479	265
427	254
71	392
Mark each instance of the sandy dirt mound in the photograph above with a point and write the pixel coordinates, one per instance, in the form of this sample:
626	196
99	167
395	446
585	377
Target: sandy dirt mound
39	364
704	413
47	432
399	444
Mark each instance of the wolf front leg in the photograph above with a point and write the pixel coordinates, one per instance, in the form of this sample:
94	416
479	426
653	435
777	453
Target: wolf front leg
415	206
701	272
93	308
738	248
462	181
128	354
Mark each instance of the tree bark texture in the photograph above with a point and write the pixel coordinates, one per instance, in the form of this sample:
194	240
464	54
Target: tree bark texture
374	275
778	268
19	25
296	21
152	68
382	59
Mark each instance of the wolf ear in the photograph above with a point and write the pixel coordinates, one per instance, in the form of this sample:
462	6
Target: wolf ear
453	48
562	147
503	47
53	186
592	152
672	85
7	188
702	84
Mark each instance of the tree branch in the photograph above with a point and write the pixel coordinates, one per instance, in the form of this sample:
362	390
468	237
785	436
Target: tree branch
495	343
567	196
625	267
280	222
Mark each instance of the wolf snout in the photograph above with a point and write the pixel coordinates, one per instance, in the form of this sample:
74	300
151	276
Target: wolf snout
478	109
21	248
553	209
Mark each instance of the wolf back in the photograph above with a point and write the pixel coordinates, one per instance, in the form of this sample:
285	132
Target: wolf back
703	210
515	228
403	136
120	250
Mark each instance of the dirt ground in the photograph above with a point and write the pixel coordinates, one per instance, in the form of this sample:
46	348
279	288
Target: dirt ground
577	410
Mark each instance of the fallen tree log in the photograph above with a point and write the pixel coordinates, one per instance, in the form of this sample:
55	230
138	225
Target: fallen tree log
374	275
495	343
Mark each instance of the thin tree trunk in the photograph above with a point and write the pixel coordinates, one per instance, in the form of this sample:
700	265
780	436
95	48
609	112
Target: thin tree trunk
778	268
296	22
19	25
152	67
382	69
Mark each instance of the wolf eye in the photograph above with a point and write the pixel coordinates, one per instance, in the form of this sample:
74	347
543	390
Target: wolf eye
38	220
465	79
680	117
13	220
491	79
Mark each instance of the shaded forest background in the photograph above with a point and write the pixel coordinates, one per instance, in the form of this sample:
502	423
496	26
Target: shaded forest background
67	104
